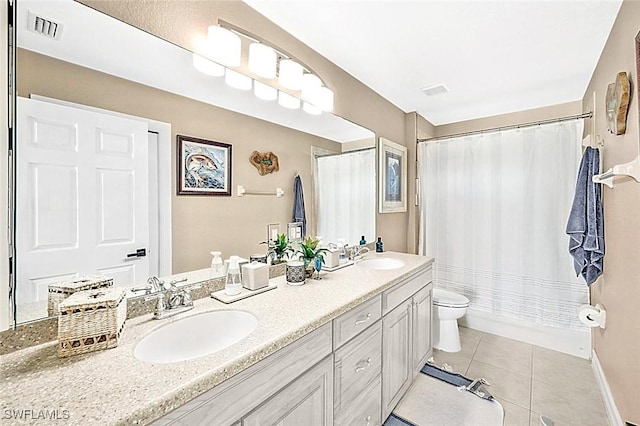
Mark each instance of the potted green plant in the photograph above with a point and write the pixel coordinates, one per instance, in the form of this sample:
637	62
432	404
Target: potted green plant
279	248
311	255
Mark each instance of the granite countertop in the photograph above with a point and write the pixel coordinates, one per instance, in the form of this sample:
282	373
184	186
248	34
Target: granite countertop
113	387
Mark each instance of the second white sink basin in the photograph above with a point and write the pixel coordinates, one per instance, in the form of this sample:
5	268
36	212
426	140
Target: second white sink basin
381	263
195	336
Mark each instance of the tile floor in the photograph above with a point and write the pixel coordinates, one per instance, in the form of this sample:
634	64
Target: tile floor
529	380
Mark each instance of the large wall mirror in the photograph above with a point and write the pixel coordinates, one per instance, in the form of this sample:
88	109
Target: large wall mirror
99	92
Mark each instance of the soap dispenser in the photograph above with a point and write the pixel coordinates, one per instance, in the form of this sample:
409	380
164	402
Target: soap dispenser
363	242
379	248
342	251
233	285
216	264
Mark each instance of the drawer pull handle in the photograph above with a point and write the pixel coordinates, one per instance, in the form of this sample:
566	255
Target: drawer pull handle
365	319
362	368
368	420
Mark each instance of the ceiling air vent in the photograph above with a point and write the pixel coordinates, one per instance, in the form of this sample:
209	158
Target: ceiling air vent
436	89
44	26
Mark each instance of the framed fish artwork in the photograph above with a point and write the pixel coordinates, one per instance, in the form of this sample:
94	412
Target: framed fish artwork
204	167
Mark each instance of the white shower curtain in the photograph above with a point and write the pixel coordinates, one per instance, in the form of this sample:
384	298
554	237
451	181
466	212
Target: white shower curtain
346	195
494	208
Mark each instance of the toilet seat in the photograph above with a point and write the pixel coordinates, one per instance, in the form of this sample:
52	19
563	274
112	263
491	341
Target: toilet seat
449	299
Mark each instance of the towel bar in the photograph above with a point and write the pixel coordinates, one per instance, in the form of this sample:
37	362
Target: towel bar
631	169
279	192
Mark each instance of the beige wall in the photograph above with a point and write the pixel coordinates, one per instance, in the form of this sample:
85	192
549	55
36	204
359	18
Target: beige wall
521	117
182	22
618	291
200	223
4	174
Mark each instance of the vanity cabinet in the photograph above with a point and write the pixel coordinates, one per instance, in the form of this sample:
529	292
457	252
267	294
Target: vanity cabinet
306	401
351	371
406	337
357	370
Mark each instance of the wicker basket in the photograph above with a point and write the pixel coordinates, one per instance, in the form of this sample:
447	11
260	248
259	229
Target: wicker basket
91	320
60	291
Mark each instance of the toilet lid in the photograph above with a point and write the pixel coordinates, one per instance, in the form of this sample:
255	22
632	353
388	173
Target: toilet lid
448	298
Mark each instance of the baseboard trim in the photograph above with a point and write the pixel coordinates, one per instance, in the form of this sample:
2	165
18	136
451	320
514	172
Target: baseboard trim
609	403
576	343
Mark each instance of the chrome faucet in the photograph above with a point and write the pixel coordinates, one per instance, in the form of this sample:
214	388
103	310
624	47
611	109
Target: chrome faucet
170	299
356	252
179	300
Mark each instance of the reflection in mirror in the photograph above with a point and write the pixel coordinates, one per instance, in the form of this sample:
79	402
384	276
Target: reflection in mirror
346	193
101	106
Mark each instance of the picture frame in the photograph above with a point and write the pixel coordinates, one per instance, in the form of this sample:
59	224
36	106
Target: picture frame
203	167
392	163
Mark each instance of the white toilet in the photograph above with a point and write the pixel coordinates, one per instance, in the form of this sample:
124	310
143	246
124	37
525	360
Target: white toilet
448	307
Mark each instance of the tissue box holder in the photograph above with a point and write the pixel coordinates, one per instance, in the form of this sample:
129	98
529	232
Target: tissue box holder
91	320
60	291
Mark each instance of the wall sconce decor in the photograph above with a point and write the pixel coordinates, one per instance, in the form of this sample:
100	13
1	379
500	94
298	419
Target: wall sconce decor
265	162
618	104
223	51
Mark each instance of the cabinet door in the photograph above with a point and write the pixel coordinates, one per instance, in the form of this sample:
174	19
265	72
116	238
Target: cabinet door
397	356
421	327
306	401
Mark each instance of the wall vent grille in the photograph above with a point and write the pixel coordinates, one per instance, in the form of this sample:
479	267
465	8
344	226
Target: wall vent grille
44	26
436	89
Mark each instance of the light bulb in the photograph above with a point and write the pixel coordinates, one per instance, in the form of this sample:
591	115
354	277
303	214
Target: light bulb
324	99
290	75
288	101
310	83
237	80
264	92
207	66
262	60
311	109
225	46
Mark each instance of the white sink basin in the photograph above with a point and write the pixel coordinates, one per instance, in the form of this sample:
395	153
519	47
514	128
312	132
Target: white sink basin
381	263
195	336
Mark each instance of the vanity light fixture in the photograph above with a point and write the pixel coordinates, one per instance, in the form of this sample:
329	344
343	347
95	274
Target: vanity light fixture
290	75
264	92
237	80
207	66
310	83
263	60
287	101
225	46
324	98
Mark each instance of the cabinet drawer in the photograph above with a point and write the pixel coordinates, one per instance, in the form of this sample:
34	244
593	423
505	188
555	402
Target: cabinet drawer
401	292
353	322
365	411
357	365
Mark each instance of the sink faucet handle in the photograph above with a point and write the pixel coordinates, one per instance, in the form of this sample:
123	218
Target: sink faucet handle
146	288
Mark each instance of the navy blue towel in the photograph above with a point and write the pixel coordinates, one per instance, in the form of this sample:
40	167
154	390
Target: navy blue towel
586	220
298	205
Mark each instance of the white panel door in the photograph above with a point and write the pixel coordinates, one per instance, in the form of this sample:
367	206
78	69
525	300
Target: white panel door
82	197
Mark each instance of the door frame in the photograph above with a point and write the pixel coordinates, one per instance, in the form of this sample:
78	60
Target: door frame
164	176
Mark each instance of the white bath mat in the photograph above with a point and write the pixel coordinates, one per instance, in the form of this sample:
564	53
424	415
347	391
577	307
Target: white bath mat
430	401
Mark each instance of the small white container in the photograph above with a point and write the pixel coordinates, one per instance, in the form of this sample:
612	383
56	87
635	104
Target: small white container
255	275
331	258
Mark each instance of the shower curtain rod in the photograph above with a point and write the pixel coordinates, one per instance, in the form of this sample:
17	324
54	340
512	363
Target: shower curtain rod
513	126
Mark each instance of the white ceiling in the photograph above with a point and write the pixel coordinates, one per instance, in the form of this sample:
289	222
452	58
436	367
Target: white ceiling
496	57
